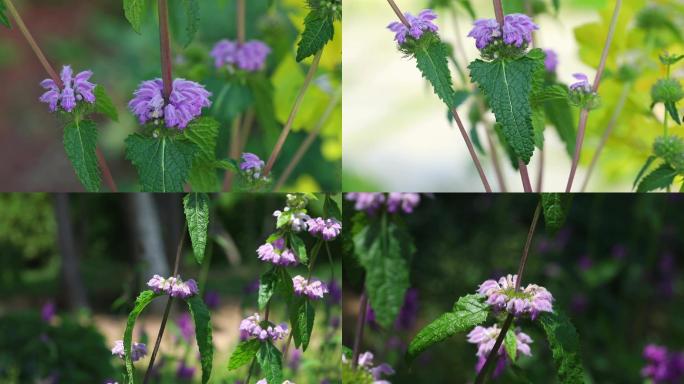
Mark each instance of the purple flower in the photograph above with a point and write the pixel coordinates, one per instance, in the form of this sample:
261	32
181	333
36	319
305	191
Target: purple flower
275	253
366	362
408	313
295	359
531	300
328	229
418	25
485	338
582	85
517	29
47	313
185	372
185	103
252	165
250	56
314	289
404	201
173	286
74	89
185	326
551	60
335	295
251	328
366	201
212	299
138	350
485	31
662	366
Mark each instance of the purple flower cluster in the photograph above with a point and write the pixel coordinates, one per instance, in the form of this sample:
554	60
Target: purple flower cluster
185	103
185	372
275	253
138	350
263	381
173	286
663	366
418	25
582	85
366	362
47	313
251	328
250	56
252	165
551	60
327	229
531	300
485	338
517	31
74	89
371	202
314	289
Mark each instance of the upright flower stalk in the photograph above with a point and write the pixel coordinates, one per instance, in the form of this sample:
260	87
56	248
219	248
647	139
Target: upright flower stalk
57	81
165	47
584	114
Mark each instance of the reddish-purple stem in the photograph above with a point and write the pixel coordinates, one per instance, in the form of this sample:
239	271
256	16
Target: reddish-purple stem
165	47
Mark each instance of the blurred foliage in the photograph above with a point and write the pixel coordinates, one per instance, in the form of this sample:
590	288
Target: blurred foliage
615	268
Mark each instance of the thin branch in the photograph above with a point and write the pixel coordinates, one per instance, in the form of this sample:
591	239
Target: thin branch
525	176
106	173
526	250
471	150
540	172
400	15
241	21
165	47
495	160
295	109
584	114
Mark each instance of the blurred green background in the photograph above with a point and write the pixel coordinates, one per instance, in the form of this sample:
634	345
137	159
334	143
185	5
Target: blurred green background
92	278
95	35
615	268
396	134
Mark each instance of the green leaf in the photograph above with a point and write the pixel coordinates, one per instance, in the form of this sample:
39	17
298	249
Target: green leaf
270	361
80	144
555	207
144	299
302	319
507	85
468	7
297	244
202	318
262	93
284	287
134	10
243	354
318	31
383	249
192	12
511	344
560	115
331	209
565	347
196	207
267	286
469	311
550	93
163	164
538	125
104	105
432	61
643	169
672	110
203	132
661	178
556	5
4	20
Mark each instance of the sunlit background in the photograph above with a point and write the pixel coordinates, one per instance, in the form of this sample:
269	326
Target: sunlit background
396	134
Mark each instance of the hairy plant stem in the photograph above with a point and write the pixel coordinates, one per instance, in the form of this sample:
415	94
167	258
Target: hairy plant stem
493	354
306	144
167	310
107	174
584	114
606	134
293	114
524	176
165	47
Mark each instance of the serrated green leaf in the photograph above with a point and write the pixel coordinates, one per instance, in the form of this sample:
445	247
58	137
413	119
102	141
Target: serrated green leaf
143	300
643	170
469	311
134	11
267	286
331	209
507	85
565	347
203	132
196	207
104	104
555	207
80	144
384	249
299	248
262	94
511	344
560	115
661	178
163	164
227	164
202	318
243	354
302	320
432	61
538	124
4	20
192	12
318	31
270	361
671	108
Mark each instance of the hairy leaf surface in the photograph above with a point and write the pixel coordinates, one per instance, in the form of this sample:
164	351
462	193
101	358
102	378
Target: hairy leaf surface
318	31
104	104
302	320
267	286
144	299
163	164
203	132
555	207
4	20
243	354
80	144
565	347
192	12
432	61
134	11
661	178
196	207
202	318
270	361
